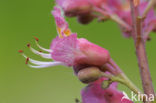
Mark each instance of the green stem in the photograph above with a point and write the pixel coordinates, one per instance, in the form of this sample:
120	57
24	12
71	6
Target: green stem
127	82
123	79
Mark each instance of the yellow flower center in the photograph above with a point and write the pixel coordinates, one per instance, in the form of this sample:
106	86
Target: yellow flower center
66	32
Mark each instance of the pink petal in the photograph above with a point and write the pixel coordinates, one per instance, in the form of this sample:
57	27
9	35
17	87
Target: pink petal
93	93
64	48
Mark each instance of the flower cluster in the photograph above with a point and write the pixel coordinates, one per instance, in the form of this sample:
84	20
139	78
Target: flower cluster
69	50
91	63
118	10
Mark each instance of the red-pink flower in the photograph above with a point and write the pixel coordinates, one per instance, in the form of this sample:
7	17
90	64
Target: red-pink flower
149	23
84	9
77	7
66	49
94	93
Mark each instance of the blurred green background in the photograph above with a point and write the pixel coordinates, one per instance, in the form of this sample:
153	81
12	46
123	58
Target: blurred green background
21	20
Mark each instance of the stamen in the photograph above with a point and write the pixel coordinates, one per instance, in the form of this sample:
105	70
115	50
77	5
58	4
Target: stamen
27	60
48	65
44	55
44	49
36	62
39	64
20	51
36	39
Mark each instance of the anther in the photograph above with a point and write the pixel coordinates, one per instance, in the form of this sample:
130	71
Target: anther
28	45
27	60
36	39
20	51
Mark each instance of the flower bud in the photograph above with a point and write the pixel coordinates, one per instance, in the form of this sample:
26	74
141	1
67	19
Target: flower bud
85	19
78	7
74	7
91	54
89	74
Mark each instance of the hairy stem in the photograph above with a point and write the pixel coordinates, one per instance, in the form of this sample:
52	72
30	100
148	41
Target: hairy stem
113	17
141	52
149	6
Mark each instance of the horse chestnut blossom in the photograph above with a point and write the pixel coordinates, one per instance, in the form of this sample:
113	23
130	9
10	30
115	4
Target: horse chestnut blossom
91	63
66	49
84	9
94	93
77	7
149	23
118	10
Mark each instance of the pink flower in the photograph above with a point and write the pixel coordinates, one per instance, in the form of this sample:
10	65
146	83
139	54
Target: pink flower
149	23
94	93
66	49
84	9
76	7
74	51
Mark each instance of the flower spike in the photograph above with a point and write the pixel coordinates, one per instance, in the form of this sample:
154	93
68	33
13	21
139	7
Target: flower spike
67	49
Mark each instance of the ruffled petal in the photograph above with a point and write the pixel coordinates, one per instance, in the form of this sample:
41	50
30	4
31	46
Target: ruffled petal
64	49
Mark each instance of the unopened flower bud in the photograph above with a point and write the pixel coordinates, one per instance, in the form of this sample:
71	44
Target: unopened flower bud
85	19
89	74
78	7
74	7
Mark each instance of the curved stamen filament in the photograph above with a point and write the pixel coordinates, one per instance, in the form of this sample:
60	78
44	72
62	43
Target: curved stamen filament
39	64
44	55
42	48
36	62
47	65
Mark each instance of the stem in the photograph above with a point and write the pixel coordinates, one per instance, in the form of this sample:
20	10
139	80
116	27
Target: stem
129	83
123	79
141	52
109	68
116	67
113	17
149	6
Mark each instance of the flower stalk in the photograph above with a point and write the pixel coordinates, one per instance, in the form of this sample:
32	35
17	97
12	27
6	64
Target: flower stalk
149	6
123	79
113	17
141	51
